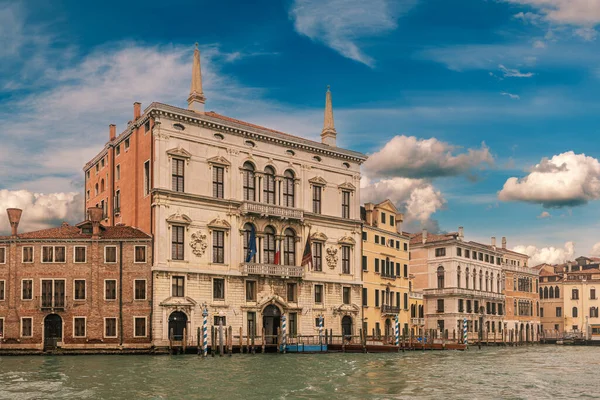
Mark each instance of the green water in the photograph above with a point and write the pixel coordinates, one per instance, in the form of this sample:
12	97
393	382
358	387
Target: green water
536	372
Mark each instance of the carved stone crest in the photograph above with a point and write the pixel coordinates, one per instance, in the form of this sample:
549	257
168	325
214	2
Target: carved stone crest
198	243
332	257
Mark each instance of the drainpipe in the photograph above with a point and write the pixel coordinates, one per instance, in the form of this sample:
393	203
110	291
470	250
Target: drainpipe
121	293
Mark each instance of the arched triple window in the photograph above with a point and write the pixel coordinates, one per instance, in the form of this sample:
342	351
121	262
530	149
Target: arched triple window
458	277
574	311
247	233
289	247
556	292
288	189
249	182
269	186
541	293
546	292
269	245
551	292
440	277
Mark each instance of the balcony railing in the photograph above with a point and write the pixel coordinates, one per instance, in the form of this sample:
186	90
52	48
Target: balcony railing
417	321
52	303
272	270
271	210
387	309
464	292
416	295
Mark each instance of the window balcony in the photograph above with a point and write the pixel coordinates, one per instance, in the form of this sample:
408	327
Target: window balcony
50	303
283	271
387	309
271	210
467	293
417	321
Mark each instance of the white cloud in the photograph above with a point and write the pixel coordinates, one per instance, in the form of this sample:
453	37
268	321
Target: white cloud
548	255
586	33
544	214
574	12
411	157
40	210
514	73
567	179
512	96
595	252
539	44
341	24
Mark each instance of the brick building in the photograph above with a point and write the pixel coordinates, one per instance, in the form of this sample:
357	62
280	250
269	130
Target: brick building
75	288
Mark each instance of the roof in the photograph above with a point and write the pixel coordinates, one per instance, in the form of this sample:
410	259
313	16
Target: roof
68	232
417	238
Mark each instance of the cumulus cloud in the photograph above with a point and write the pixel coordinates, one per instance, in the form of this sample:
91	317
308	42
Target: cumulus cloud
548	255
40	210
595	250
514	73
512	96
566	179
341	24
411	157
544	215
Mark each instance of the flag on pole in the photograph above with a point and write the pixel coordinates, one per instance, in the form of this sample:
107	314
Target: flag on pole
277	254
307	255
251	244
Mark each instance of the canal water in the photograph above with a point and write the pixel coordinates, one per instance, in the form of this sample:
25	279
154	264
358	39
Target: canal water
534	372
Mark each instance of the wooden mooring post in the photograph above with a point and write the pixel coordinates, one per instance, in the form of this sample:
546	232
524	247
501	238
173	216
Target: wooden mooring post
199	341
241	342
213	341
263	340
221	338
230	344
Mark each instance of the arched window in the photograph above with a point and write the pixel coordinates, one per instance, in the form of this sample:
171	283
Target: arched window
474	279
480	280
269	186
467	278
541	293
420	311
440	277
546	292
413	311
96	189
574	311
269	245
249	182
288	188
515	310
575	294
386	267
102	186
458	277
289	247
556	292
487	287
247	234
551	292
498	282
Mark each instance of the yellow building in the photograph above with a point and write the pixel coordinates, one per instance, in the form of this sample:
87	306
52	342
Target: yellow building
384	270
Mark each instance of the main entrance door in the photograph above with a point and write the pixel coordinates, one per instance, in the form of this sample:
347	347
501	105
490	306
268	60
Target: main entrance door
177	323
52	331
271	320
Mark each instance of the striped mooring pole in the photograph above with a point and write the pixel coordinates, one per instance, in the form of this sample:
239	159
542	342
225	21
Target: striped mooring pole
397	326
465	341
205	331
321	328
283	332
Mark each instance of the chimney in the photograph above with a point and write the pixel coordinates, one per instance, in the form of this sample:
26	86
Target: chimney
369	213
399	221
112	131
569	266
424	236
14	217
95	216
461	232
504	242
137	110
493	242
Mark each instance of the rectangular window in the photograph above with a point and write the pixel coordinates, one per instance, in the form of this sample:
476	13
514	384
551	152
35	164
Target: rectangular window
26	327
220	320
376	298
139	292
345	204
79	289
110	289
2	290
79	327
147	181
559	311
377	265
80	254
487	258
461	305
319	294
218	289
177	236
364	263
110	327
250	290
398	299
376	239
60	254
459	252
147	126
139	327
397	245
218	182
405	301
291	292
440	252
117	152
541	312
345	259
27	289
440	305
383	218
177	174
2	255
53	293
251	323
474	255
218	247
317	199
118	172
364	297
346	295
364	236
293	324
126	143
140	254
110	254
480	256
27	254
593	294
467	253
177	286
318	256
392	220
47	254
406	270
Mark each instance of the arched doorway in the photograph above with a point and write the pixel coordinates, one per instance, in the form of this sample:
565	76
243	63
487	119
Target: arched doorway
52	331
347	326
271	321
177	324
388	329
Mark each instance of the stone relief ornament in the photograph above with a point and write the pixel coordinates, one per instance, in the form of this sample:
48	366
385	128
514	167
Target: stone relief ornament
198	243
332	257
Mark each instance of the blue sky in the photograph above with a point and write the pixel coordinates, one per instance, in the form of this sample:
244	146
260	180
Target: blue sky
476	113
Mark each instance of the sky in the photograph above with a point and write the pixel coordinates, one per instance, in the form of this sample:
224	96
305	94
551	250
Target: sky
476	113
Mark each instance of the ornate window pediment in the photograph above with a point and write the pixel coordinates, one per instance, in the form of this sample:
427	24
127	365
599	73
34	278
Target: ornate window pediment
180	152
219	223
219	160
318	180
180	219
319	237
348	240
347	186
